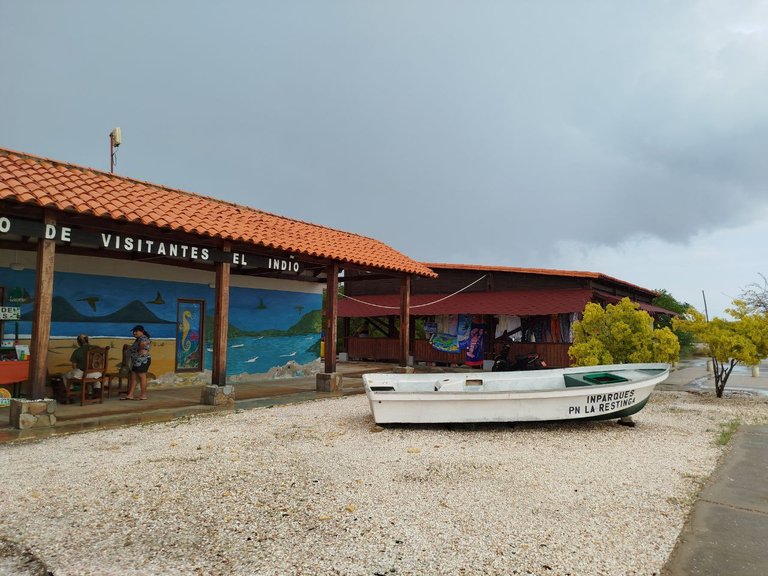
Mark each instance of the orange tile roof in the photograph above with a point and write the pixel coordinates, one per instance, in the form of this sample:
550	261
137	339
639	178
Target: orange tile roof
542	271
48	183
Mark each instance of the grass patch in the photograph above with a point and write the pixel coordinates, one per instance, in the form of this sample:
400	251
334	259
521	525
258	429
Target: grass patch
696	483
727	431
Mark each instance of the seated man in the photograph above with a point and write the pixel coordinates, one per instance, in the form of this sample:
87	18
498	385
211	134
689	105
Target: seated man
78	359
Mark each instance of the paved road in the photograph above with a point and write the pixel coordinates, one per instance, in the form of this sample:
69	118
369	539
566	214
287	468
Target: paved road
727	533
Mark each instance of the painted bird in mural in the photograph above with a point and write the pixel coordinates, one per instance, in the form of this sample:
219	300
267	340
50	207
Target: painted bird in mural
91	301
158	300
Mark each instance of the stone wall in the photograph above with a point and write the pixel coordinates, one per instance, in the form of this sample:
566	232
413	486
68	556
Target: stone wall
26	414
218	395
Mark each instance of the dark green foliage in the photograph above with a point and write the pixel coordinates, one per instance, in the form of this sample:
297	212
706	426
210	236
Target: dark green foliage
667	301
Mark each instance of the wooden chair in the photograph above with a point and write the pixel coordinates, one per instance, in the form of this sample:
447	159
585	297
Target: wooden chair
123	371
96	361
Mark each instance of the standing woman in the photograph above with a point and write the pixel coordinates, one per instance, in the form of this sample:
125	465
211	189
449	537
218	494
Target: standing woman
140	361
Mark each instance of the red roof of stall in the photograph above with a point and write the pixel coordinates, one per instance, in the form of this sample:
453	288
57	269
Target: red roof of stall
517	303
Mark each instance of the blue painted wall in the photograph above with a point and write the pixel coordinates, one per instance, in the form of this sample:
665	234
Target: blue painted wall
109	306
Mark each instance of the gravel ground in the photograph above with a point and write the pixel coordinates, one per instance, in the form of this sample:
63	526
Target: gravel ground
316	488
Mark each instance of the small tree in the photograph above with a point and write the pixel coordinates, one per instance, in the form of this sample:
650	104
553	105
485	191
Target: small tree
619	334
743	340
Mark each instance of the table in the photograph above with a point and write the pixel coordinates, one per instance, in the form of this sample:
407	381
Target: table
13	373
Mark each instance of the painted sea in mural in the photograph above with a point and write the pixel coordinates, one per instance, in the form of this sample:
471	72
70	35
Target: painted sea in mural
254	355
267	327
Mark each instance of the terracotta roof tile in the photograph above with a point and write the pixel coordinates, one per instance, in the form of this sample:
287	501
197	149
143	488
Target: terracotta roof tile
84	190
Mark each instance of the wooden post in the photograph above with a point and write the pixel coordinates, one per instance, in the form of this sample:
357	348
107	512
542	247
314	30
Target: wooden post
41	315
221	324
330	381
331	315
490	331
405	319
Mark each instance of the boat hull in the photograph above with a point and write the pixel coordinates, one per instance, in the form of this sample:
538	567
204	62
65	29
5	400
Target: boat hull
543	395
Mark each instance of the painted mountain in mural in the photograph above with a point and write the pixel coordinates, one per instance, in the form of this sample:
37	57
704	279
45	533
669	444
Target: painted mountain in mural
133	312
310	323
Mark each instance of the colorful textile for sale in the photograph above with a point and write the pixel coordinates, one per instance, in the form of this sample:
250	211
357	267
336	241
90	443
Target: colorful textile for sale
445	342
452	332
476	345
463	328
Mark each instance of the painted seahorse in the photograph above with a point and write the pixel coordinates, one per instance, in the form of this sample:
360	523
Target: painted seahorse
186	344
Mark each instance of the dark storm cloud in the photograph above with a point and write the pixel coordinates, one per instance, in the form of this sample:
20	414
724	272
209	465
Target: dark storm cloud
486	131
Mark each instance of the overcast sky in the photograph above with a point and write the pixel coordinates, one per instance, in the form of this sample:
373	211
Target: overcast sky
628	138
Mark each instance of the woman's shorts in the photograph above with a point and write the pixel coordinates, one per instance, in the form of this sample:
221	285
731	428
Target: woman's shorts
142	368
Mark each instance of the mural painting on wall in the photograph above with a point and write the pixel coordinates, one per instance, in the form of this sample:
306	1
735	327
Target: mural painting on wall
189	332
267	328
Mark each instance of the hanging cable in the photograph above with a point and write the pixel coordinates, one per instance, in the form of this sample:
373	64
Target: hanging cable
417	305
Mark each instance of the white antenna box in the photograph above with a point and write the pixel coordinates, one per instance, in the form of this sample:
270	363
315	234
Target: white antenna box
117	137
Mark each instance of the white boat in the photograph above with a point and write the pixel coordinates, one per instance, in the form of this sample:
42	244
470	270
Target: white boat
577	393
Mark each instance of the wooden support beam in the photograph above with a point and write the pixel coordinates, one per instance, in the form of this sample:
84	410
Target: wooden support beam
490	330
221	324
405	319
41	315
331	315
363	278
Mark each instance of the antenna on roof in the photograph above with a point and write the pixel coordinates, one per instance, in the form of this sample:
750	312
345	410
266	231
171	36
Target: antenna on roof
115	139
